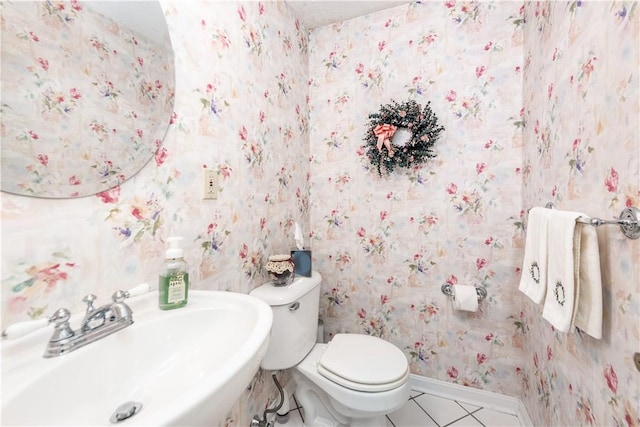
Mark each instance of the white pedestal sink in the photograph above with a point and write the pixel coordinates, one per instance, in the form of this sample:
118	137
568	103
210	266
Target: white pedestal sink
187	367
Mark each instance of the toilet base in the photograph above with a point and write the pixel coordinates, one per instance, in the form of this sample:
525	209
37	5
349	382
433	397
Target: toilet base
321	410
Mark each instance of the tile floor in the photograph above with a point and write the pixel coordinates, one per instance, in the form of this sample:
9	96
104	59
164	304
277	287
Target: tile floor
424	409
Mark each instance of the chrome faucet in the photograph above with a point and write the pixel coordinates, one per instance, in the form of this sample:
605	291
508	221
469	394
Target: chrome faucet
97	323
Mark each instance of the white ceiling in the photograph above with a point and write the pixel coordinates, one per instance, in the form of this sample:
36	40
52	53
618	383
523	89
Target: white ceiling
314	14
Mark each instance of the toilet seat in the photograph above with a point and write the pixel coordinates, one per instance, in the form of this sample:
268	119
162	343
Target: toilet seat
363	363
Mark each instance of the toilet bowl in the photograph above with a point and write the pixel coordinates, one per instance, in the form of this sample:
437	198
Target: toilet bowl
354	380
369	390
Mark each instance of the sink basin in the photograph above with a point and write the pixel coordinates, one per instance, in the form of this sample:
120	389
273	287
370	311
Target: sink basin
186	366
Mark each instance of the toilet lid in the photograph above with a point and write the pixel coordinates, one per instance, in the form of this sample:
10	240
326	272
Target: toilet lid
363	363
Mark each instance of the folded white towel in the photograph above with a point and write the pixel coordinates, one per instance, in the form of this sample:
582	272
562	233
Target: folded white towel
588	316
562	269
533	279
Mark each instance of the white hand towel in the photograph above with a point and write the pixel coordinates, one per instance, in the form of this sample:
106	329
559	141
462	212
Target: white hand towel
588	316
533	279
562	269
465	297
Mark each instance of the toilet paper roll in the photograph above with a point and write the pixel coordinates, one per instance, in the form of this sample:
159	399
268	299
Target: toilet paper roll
465	297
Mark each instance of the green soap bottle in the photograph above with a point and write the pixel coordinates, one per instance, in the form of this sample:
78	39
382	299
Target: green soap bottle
173	284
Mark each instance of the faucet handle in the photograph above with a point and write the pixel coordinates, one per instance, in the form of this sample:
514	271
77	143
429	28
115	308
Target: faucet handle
60	316
119	296
62	330
89	299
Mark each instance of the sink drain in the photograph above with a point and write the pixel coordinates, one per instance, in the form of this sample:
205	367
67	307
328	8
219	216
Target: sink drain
125	411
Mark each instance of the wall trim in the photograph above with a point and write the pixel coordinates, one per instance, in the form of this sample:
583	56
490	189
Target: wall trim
473	396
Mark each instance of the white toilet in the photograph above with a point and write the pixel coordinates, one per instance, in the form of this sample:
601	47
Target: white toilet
354	380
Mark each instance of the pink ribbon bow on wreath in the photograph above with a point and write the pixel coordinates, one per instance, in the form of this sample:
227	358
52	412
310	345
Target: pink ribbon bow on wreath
384	132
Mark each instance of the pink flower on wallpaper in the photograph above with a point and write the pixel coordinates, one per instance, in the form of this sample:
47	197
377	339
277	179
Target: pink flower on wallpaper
480	167
550	90
452	280
261	8
452	188
139	132
74	180
588	66
451	95
612	378
110	196
160	156
384	299
33	135
381	45
244	251
611	181
43	159
360	68
452	372
383	215
242	13
549	352
480	71
137	213
450	4
44	64
34	36
480	263
140	61
262	116
243	133
75	93
481	358
361	313
488	46
361	232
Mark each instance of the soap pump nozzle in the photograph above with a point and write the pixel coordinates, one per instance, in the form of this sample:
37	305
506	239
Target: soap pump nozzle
174	251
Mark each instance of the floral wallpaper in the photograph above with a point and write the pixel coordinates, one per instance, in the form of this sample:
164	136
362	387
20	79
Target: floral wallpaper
240	109
385	245
539	102
76	84
582	152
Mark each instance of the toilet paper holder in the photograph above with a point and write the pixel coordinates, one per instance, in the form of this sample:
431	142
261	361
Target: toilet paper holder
481	292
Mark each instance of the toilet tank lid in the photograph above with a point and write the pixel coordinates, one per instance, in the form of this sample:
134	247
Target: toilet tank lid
281	295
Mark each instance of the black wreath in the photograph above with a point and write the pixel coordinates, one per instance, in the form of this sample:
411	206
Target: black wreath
421	123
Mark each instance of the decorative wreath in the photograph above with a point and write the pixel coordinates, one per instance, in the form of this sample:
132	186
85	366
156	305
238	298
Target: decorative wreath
401	135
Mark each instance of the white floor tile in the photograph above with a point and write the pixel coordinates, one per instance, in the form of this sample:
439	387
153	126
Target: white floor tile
411	415
496	419
469	407
443	411
467	421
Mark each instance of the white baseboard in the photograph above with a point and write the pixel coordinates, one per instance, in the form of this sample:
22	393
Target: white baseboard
472	396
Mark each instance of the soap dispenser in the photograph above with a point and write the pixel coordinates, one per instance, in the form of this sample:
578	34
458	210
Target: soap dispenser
174	277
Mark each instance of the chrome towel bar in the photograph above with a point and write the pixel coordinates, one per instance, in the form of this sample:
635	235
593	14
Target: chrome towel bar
629	221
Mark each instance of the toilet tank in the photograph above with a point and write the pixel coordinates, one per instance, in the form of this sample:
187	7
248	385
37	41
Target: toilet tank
295	320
